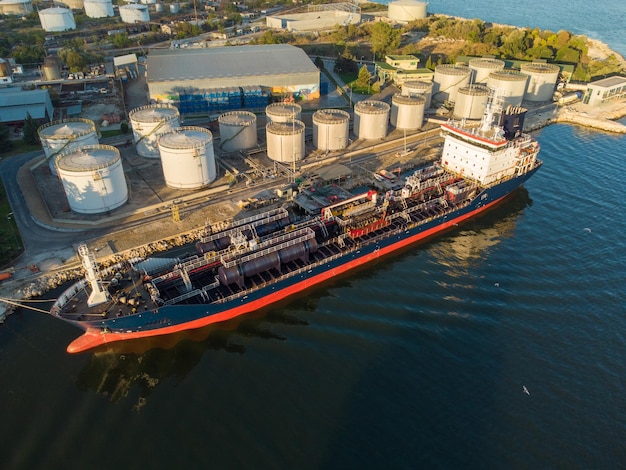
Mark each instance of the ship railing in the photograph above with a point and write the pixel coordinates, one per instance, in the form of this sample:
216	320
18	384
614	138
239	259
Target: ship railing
278	243
183	297
224	229
67	295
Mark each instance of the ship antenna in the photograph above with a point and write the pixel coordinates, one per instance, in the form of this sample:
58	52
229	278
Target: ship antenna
98	294
493	108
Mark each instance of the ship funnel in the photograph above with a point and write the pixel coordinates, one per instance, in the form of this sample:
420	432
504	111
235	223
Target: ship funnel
98	294
512	121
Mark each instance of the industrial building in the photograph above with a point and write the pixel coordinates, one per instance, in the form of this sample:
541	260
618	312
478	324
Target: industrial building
318	17
605	90
230	78
402	68
15	103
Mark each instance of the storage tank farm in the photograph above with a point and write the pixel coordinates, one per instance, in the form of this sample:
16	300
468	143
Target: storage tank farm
482	67
283	112
470	102
370	119
331	129
93	178
237	131
285	141
419	87
407	112
150	121
134	13
542	80
447	81
187	157
64	135
57	19
510	84
98	8
404	11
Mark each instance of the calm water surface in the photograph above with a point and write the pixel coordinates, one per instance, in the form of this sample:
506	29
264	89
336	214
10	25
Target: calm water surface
418	361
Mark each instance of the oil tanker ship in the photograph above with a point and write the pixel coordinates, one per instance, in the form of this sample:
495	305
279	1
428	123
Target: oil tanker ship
239	266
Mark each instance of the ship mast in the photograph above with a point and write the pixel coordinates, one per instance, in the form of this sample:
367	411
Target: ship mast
98	294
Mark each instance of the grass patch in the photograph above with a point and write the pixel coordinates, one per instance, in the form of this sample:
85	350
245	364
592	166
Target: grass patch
19	146
110	132
11	245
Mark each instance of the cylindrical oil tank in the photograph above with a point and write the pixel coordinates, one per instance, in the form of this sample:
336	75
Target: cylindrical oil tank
510	85
447	81
134	13
471	101
407	112
404	11
174	7
73	4
98	8
285	141
150	121
482	67
159	7
6	74
370	119
57	19
16	7
331	129
68	134
51	69
419	87
237	131
283	112
187	157
542	80
93	178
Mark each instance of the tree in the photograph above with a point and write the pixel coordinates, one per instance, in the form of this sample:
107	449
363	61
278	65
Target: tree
363	80
319	63
5	138
384	38
30	130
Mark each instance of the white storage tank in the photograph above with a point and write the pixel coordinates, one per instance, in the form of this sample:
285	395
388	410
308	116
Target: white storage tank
57	19
149	121
98	8
159	8
6	73
237	131
542	80
404	11
510	85
93	178
134	13
447	81
68	134
51	69
174	7
187	157
471	101
331	129
418	87
370	119
407	112
482	67
16	7
73	4
283	112
285	141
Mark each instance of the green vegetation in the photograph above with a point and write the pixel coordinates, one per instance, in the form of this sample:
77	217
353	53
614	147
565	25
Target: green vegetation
11	244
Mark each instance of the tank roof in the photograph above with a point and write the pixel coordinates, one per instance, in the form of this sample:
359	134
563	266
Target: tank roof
508	75
540	67
237	118
283	109
478	90
88	158
286	128
399	98
154	113
186	137
372	107
66	128
330	116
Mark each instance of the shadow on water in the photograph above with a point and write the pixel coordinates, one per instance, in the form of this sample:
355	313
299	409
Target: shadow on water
114	369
